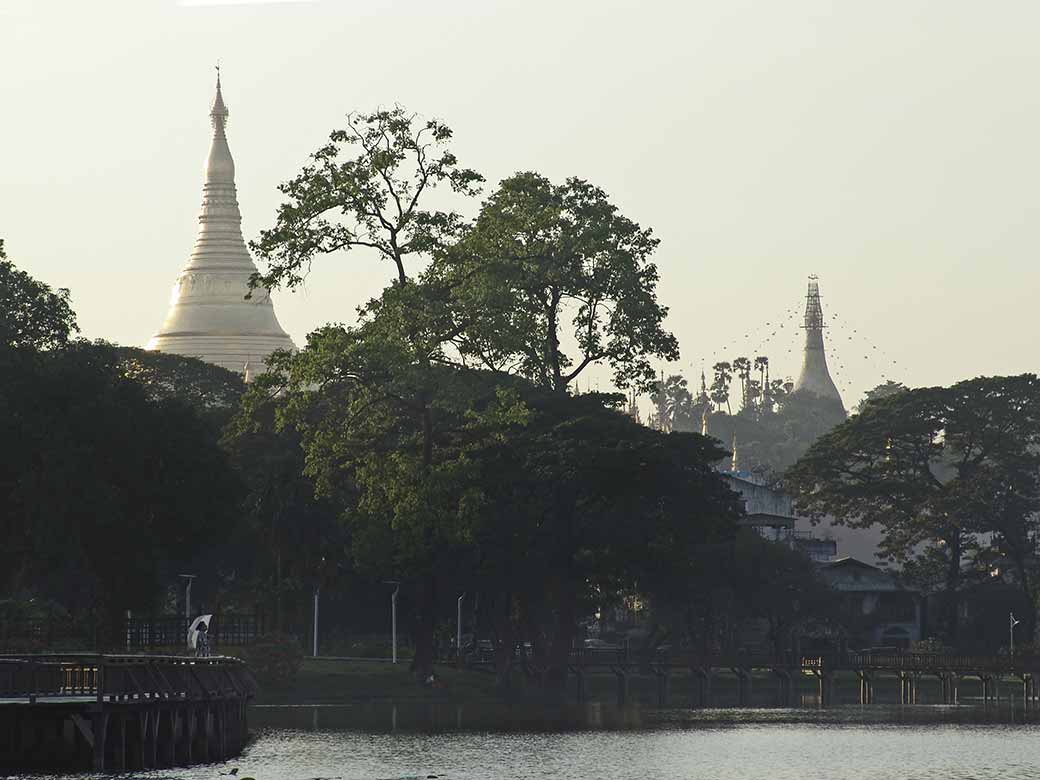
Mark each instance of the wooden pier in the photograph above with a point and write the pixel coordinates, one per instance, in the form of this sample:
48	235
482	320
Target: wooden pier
1019	675
116	713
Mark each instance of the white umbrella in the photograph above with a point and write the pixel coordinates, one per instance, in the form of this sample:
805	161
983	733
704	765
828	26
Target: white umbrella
193	629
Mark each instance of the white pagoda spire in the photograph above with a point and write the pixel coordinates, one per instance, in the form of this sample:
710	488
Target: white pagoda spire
815	378
210	317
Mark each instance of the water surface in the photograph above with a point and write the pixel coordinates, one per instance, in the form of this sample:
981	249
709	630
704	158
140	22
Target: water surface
496	742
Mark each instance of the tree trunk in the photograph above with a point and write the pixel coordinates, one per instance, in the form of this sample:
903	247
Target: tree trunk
953	585
277	591
1026	583
425	620
505	643
563	640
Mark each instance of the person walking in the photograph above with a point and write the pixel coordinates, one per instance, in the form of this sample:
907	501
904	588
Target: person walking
202	641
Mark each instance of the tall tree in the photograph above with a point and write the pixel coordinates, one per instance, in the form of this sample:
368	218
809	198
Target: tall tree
742	369
723	375
935	467
374	199
540	255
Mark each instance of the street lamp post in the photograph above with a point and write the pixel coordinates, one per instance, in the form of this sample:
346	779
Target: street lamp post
393	617
1011	628
314	652
187	599
187	593
317	592
458	630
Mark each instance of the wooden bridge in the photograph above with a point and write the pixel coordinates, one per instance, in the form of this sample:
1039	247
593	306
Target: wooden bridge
789	670
121	712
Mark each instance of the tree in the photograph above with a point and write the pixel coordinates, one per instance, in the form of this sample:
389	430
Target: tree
884	390
742	368
373	199
762	367
674	405
720	385
378	408
934	468
213	392
382	377
540	254
107	493
32	315
289	532
779	585
574	504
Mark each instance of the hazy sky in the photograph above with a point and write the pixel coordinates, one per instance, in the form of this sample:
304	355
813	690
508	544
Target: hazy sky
889	147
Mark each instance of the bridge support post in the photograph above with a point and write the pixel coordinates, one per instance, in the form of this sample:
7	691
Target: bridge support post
663	685
579	684
866	686
825	685
783	687
744	689
119	762
700	692
189	726
621	674
99	725
149	739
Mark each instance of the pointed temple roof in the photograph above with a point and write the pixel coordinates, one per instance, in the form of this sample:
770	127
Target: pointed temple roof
209	316
815	378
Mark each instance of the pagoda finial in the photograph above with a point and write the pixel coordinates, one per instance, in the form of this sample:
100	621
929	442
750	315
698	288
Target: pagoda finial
735	462
219	113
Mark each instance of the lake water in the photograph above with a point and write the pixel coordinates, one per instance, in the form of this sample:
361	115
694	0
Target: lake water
380	741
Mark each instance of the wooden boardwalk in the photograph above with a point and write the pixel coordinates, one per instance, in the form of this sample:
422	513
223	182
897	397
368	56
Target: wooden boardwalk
788	670
121	712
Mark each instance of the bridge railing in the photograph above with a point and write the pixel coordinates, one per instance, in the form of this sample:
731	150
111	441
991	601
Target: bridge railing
893	662
123	677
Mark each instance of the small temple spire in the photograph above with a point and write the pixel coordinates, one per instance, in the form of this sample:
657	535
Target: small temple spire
815	378
735	462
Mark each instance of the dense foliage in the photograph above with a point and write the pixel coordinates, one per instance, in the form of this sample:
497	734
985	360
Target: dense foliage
950	474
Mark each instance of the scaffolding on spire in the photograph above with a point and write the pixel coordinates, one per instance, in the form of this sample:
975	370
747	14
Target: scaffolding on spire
815	378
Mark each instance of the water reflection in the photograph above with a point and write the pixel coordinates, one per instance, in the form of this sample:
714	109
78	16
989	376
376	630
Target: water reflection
475	741
494	741
441	717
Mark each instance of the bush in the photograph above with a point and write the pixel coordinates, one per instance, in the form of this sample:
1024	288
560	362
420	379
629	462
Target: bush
930	645
274	659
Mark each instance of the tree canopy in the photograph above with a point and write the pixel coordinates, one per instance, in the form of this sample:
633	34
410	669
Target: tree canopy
551	279
105	490
32	314
939	470
375	199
